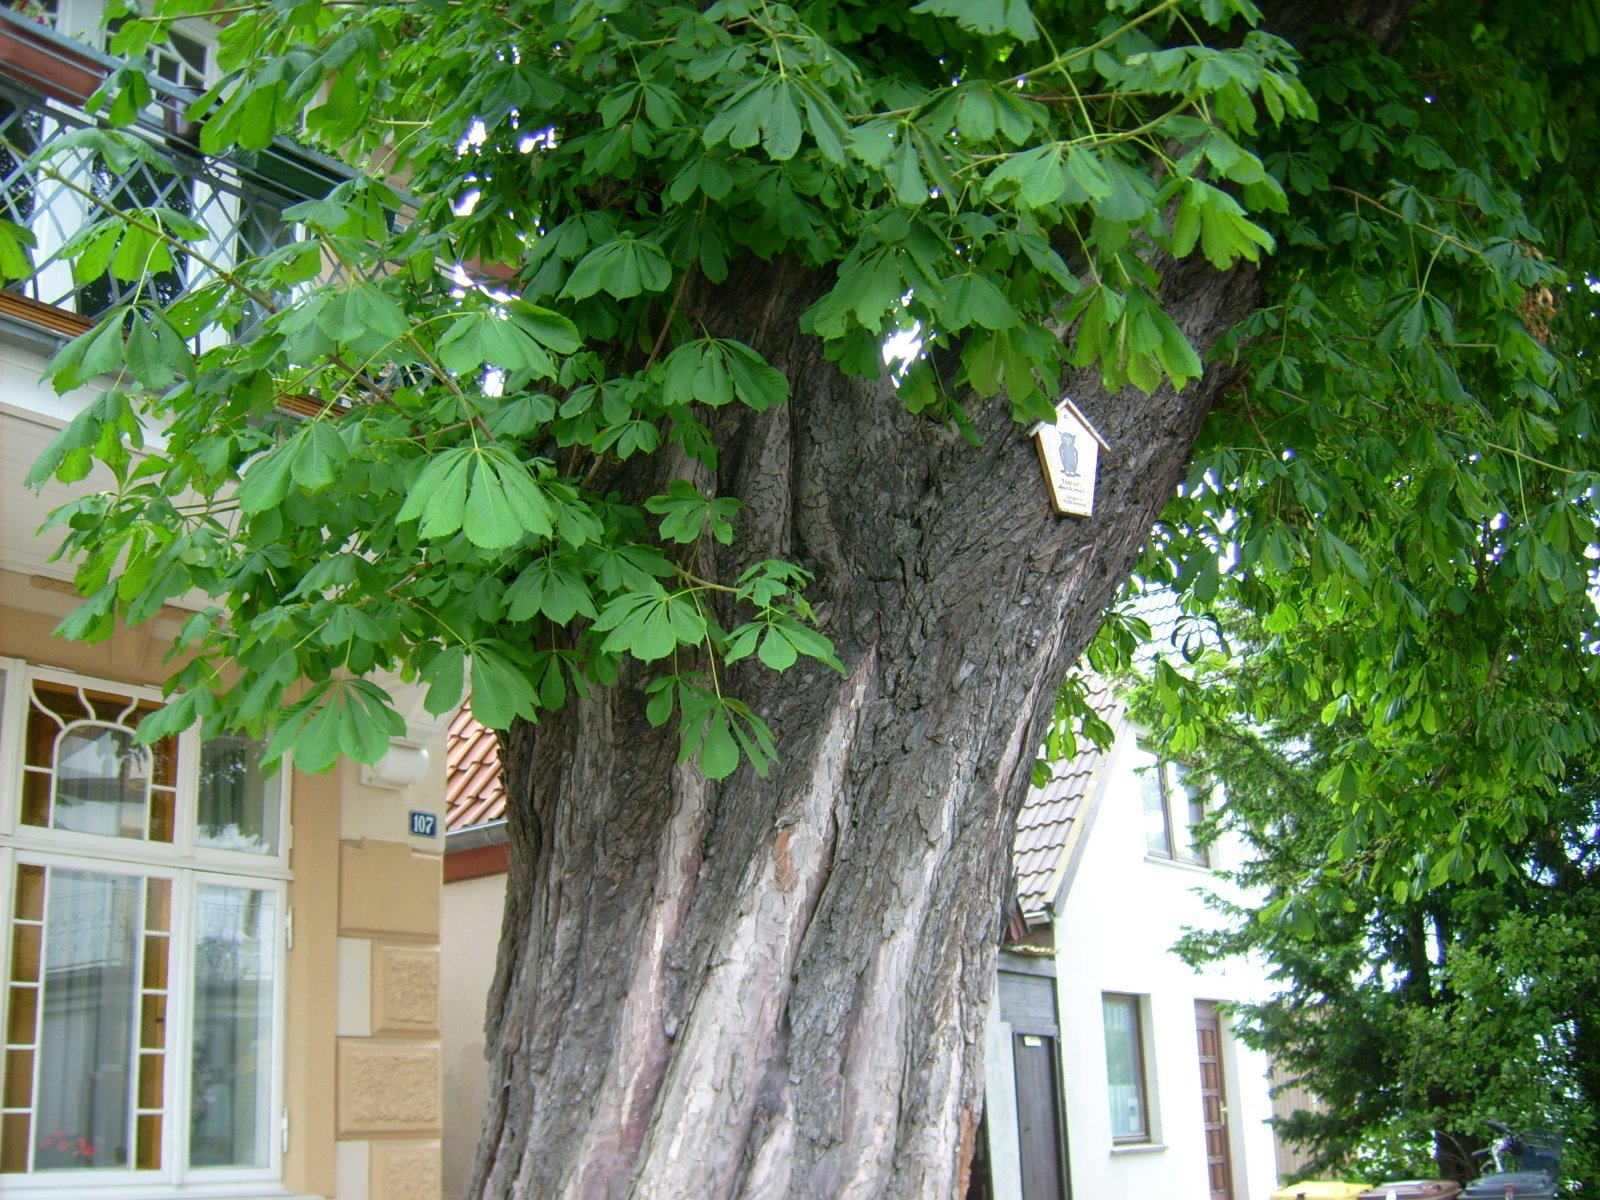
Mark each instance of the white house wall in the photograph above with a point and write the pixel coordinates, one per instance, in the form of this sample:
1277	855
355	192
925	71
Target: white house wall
30	416
468	943
1113	933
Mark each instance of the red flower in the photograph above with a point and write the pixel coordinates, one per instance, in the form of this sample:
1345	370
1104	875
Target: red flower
64	1142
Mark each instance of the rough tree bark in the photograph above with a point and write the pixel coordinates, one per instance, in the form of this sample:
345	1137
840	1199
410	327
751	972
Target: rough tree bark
777	987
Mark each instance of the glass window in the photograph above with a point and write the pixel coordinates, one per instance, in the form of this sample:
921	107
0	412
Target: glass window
239	807
1157	827
143	929
1172	812
82	771
1125	1076
235	951
88	990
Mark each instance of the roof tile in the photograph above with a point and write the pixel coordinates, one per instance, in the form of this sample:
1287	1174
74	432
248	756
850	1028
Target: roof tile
473	789
1046	824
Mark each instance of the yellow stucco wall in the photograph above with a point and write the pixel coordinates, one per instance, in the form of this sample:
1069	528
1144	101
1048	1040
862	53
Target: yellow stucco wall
313	962
361	1025
389	1114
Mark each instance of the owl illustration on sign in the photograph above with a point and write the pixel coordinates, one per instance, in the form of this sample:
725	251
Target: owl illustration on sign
1068	450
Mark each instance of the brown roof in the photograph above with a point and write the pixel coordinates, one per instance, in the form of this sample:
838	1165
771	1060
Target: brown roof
473	791
1049	824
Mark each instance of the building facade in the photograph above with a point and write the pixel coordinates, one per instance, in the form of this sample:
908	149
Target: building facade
217	982
1112	1067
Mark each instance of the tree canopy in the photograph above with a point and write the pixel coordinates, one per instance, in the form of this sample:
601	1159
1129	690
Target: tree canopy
1416	1018
1389	530
1407	442
958	170
1408	438
542	317
1400	489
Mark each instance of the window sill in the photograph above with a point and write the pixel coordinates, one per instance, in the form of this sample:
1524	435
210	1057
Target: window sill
43	316
1133	1148
60	1189
1197	868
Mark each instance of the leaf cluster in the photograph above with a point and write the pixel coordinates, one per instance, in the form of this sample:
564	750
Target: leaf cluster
1397	497
498	360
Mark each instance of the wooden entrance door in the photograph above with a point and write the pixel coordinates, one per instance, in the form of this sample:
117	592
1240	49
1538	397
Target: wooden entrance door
1039	1118
1213	1100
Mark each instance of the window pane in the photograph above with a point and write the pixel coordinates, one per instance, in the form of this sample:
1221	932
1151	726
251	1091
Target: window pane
1191	809
182	61
91	949
19	1082
35	798
60	702
15	1134
30	893
25	942
84	772
239	807
22	1023
1125	1068
101	782
1157	835
234	957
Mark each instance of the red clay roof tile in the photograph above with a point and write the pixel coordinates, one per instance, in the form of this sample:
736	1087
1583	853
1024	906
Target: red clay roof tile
473	790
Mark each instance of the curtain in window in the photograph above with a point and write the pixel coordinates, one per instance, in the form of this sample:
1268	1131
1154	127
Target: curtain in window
238	806
85	1037
232	1027
1125	1068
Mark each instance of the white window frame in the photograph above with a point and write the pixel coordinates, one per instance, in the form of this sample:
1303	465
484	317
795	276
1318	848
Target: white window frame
1144	1071
189	867
1176	802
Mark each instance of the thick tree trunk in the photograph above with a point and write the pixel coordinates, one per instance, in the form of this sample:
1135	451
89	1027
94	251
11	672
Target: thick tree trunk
778	987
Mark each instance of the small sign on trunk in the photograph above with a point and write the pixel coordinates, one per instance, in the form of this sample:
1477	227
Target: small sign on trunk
1070	452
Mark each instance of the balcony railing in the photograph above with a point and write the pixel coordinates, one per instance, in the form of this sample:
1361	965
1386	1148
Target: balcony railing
237	201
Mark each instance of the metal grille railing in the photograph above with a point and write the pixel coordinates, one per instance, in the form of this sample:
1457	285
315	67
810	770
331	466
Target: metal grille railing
58	197
238	202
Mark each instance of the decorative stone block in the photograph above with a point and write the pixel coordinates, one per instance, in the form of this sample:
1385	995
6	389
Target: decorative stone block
387	891
405	989
388	1088
405	1171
